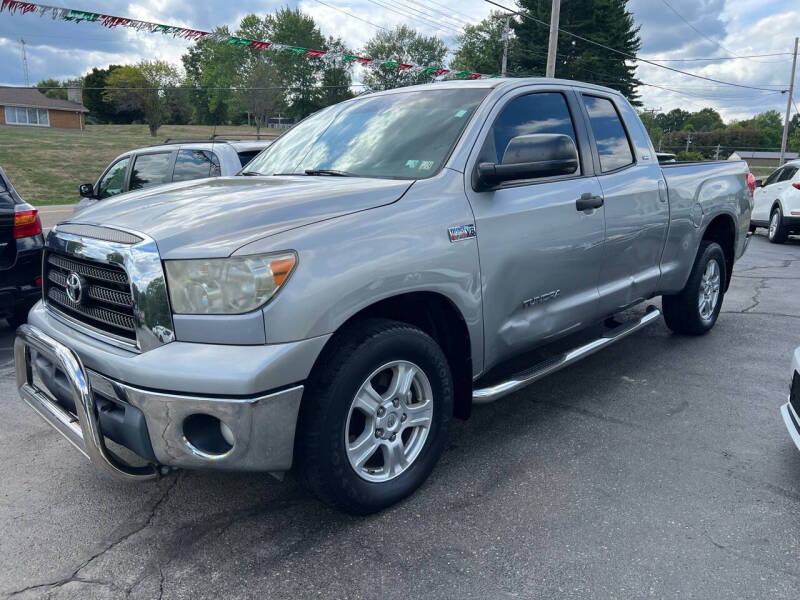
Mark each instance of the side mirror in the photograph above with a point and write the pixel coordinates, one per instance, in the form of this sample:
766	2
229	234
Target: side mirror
86	190
530	156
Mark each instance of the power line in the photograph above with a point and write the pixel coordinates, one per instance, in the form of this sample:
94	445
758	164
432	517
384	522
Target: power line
438	14
682	18
341	10
438	26
625	54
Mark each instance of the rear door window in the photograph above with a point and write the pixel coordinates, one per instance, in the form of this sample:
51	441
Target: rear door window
150	170
787	173
113	182
245	156
609	133
195	164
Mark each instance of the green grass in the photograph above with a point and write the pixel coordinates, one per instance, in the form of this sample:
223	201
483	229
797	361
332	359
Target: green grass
46	166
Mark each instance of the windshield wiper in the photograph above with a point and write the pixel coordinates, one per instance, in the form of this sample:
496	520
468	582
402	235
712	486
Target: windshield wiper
251	173
329	172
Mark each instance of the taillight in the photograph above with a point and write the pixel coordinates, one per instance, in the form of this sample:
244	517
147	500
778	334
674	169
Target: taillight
796	185
26	223
751	183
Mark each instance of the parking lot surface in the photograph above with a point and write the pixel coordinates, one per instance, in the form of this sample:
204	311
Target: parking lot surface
659	467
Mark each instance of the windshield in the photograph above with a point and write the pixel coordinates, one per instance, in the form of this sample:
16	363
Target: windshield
407	135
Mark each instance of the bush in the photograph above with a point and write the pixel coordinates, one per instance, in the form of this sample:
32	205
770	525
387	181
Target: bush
689	156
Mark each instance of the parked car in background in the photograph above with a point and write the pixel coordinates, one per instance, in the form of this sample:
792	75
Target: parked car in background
777	202
791	410
173	161
666	157
369	277
21	244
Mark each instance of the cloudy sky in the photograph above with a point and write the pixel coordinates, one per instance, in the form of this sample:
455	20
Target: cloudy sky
740	27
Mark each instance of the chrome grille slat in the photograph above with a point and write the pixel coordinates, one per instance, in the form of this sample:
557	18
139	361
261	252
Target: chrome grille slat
103	315
107	302
101	273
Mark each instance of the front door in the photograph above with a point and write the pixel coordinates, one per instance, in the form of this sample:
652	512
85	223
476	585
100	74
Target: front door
636	209
539	254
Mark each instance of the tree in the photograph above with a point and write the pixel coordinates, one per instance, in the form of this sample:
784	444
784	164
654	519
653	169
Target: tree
706	119
605	21
674	120
337	77
653	130
145	86
480	47
100	109
212	69
48	88
403	45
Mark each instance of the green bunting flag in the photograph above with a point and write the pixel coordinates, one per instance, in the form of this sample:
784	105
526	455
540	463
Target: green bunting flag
111	21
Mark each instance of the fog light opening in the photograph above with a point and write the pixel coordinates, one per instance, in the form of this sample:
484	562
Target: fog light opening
207	435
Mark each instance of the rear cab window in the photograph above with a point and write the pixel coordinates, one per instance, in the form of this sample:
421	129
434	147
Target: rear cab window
195	164
150	169
245	156
613	145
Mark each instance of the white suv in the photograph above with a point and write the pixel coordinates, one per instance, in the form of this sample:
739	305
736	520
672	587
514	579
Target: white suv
791	410
777	202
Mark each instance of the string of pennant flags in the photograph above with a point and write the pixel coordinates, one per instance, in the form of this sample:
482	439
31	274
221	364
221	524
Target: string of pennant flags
110	21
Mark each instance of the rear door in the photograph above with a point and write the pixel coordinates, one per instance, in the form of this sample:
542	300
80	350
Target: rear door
636	207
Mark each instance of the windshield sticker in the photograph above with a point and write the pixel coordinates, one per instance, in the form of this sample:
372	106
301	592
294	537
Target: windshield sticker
460	113
426	165
412	164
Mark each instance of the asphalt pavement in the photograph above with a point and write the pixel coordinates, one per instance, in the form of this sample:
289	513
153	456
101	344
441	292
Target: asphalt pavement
54	214
659	467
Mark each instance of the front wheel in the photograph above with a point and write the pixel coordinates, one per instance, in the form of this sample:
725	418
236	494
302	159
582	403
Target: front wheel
695	309
375	416
777	232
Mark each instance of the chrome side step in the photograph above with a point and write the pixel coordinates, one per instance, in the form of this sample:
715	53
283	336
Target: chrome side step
551	365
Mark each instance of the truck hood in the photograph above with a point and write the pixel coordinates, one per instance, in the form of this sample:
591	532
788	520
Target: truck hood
213	217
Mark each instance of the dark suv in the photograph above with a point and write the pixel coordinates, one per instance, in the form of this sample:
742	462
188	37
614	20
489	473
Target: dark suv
21	243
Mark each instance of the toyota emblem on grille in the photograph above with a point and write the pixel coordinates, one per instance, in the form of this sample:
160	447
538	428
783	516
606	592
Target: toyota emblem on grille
74	288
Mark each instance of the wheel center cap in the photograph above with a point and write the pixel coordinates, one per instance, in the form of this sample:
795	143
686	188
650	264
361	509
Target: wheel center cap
391	420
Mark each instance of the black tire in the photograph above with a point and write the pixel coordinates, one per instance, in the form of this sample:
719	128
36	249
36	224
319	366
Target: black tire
322	461
682	312
778	233
19	317
752	228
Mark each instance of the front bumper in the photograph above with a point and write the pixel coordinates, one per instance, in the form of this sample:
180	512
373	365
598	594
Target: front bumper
260	429
791	410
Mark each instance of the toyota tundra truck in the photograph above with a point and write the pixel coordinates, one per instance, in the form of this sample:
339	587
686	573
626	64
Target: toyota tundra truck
368	278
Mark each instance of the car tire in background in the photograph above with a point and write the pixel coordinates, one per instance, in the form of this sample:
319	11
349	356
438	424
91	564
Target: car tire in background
374	417
694	310
776	232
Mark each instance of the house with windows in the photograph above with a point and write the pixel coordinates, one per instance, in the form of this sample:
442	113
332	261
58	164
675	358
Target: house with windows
30	108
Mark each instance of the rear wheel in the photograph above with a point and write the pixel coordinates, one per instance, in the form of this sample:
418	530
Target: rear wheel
695	309
777	232
375	416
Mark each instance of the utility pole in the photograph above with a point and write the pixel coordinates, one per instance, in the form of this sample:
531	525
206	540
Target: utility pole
552	47
716	152
24	62
503	67
688	140
788	106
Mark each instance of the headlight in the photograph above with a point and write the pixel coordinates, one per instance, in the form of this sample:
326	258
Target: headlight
224	286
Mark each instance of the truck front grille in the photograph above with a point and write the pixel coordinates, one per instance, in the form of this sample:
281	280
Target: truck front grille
106	303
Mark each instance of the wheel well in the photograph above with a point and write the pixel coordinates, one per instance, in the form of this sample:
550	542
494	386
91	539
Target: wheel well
437	316
722	230
775	205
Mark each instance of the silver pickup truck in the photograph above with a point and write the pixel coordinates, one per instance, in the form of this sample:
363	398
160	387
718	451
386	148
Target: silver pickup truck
370	276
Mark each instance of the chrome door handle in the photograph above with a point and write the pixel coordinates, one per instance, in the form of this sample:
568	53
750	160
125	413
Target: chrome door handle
588	201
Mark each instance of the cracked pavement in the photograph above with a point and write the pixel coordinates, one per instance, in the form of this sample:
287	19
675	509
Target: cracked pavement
659	467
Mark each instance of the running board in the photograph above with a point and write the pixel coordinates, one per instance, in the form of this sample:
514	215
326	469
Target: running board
556	363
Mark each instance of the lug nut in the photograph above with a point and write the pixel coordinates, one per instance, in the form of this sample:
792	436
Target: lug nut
396	402
403	418
394	435
381	411
379	433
